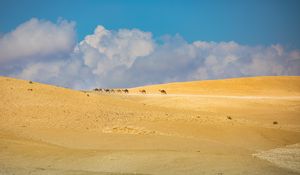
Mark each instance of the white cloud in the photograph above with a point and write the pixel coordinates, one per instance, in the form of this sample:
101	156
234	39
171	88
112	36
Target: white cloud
41	71
126	58
37	38
104	50
211	60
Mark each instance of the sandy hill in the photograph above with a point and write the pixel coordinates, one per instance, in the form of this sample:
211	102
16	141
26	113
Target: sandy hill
269	85
51	130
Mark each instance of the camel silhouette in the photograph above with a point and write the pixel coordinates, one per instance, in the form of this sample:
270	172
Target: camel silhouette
143	91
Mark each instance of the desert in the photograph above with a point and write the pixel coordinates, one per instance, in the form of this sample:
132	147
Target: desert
230	126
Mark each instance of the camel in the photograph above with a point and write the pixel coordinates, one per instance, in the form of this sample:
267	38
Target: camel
162	91
143	91
98	89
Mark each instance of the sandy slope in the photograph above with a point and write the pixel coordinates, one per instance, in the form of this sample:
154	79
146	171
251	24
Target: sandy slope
258	86
51	130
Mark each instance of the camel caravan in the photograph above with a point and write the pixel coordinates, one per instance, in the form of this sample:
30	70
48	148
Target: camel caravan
126	91
112	90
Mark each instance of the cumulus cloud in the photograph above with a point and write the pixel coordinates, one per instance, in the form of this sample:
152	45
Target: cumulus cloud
178	60
131	57
105	50
37	38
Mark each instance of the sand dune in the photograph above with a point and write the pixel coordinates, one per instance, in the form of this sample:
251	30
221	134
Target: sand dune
258	86
205	127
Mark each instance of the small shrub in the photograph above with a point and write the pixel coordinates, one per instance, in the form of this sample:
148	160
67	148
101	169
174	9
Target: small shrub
229	118
275	123
30	82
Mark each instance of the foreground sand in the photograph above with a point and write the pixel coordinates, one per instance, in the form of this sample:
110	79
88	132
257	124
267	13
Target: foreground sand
211	127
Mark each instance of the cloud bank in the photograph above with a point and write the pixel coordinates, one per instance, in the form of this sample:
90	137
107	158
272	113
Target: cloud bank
47	52
37	38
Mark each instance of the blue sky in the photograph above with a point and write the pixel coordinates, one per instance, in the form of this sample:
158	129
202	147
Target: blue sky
85	44
246	22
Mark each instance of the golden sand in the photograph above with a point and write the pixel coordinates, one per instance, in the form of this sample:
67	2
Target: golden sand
227	126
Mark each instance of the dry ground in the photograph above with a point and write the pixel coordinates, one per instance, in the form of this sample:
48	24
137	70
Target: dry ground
209	127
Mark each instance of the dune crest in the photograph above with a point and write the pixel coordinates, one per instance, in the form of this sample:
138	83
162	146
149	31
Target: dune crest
259	86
